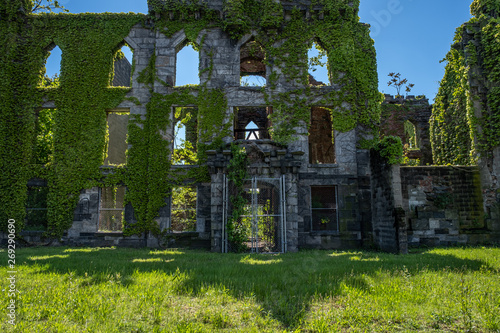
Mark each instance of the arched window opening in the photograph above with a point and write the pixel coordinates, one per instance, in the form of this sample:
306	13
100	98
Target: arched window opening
412	153
52	68
187	66
251	123
44	136
410	135
252	65
122	66
185	135
321	139
318	66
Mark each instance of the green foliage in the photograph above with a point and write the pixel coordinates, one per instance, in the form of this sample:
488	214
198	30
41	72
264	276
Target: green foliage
449	124
391	148
480	8
397	82
81	96
184	150
466	124
44	137
183	216
490	121
237	174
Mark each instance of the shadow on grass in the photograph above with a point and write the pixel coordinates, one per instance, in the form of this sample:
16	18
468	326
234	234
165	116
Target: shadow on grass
283	284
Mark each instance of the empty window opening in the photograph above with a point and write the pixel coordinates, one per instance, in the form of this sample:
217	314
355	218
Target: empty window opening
183	209
321	138
252	81
122	67
52	68
116	149
186	71
36	208
111	208
252	65
410	135
252	131
44	136
252	123
324	208
318	66
185	135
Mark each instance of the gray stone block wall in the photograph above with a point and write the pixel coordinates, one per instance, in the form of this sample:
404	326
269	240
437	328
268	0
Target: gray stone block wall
444	206
122	75
388	227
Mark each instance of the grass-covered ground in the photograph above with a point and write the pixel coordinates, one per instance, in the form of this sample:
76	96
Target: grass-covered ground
130	290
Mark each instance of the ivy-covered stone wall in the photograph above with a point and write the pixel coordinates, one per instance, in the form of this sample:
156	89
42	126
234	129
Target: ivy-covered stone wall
465	123
84	92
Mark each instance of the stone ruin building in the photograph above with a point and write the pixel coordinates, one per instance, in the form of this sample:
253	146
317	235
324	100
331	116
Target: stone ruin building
311	180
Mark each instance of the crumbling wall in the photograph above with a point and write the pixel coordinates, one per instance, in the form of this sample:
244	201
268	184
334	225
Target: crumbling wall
444	206
417	110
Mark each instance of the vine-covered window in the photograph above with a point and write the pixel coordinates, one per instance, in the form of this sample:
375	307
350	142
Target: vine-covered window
410	135
183	209
252	65
324	208
321	138
318	66
52	67
122	67
117	122
111	208
36	208
187	66
185	135
44	136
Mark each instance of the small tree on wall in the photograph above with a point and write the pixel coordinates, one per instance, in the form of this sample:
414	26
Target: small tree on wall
397	82
47	6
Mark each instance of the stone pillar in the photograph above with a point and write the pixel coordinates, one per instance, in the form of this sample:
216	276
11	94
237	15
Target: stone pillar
292	211
216	190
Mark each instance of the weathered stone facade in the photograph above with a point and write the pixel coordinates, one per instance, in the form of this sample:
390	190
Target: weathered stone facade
334	192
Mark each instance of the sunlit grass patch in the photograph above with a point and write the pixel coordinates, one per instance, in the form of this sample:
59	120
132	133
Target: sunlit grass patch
152	260
252	260
90	249
35	258
166	252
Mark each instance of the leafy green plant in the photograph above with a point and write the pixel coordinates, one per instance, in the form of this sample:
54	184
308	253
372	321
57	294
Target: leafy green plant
391	148
237	230
397	82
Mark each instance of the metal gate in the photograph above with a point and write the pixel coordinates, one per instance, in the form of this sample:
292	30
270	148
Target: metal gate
263	223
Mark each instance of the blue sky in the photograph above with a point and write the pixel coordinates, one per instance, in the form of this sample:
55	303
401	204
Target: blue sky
411	36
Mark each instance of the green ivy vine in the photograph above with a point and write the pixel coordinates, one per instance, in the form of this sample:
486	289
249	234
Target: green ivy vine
89	43
458	135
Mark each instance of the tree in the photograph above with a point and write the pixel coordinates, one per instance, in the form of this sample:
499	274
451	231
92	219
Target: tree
47	6
397	82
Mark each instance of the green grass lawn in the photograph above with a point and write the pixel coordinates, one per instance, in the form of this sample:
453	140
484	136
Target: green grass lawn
143	290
